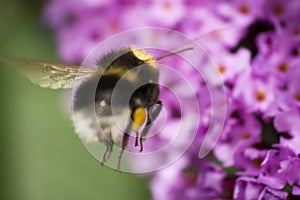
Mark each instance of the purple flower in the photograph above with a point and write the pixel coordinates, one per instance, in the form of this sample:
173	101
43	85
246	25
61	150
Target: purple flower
245	132
287	124
292	94
249	160
171	180
248	188
256	48
271	167
259	95
231	65
166	12
239	12
296	190
184	180
277	10
210	181
289	168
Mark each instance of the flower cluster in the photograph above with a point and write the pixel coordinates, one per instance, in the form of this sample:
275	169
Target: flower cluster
258	57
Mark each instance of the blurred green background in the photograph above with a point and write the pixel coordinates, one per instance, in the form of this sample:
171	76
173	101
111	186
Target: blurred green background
42	158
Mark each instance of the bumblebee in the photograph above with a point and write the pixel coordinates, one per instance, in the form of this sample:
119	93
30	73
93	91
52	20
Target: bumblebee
128	69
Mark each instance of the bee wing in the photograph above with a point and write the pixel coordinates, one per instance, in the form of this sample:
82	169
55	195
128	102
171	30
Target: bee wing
50	74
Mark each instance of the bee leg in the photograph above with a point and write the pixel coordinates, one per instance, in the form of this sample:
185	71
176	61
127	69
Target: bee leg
124	144
145	131
152	115
137	139
141	144
104	156
110	149
107	153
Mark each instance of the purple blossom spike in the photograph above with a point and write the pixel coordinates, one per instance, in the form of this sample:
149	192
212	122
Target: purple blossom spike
256	48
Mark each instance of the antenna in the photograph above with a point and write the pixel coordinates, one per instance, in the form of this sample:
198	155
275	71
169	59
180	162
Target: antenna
174	53
209	33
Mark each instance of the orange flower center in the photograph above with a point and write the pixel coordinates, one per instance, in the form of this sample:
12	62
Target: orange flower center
278	9
245	136
190	175
244	9
167	5
114	26
283	67
257	162
221	69
260	96
297	31
297	97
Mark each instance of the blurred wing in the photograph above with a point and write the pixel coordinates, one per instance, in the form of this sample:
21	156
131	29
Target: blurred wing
50	74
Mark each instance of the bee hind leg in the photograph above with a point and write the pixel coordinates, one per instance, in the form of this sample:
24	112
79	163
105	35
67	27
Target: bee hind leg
110	149
151	117
107	153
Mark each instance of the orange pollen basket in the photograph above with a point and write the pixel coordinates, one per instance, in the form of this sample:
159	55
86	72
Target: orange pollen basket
139	117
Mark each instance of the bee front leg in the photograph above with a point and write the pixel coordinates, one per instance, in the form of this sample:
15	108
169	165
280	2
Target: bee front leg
151	117
137	139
